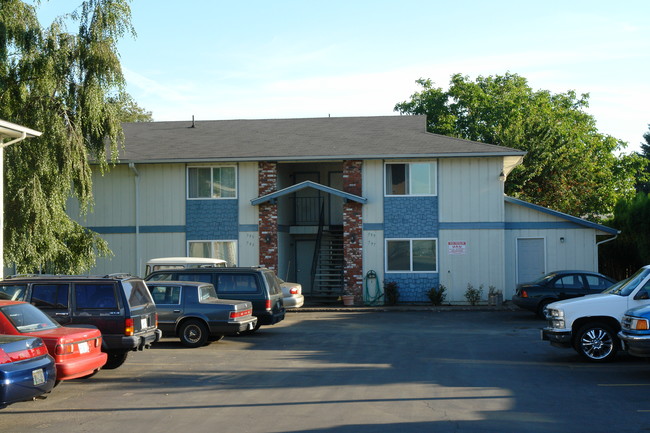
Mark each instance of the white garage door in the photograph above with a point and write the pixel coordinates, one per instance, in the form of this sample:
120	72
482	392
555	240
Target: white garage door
531	259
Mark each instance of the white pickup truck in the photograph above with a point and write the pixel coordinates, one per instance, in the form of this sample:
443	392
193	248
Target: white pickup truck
589	324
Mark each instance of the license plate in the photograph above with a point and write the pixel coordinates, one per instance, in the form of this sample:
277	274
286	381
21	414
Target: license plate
38	376
143	323
84	347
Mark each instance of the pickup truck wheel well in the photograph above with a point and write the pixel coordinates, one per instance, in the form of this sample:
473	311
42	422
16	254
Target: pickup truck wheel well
605	320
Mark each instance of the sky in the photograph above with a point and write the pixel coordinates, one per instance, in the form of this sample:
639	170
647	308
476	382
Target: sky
215	59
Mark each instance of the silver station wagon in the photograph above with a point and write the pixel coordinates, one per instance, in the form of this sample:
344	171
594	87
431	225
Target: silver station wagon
193	312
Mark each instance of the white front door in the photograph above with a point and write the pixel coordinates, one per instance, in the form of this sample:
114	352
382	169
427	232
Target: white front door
531	259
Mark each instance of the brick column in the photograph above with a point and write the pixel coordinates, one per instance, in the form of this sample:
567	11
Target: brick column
352	231
268	215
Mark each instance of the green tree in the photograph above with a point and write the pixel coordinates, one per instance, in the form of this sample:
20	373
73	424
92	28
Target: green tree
129	110
65	85
631	249
642	183
569	165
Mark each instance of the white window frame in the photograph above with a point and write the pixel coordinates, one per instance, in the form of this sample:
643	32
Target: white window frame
410	271
434	174
212	243
211	167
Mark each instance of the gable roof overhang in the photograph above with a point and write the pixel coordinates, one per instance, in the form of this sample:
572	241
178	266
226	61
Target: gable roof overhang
308	184
570	218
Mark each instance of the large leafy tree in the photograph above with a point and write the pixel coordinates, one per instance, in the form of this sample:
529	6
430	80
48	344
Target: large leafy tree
569	165
643	185
67	85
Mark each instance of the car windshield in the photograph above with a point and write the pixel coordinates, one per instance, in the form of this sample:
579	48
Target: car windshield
27	318
625	287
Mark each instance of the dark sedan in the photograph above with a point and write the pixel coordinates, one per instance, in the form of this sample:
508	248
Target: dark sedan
193	312
556	286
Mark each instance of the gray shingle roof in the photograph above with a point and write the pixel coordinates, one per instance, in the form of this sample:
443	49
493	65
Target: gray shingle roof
295	139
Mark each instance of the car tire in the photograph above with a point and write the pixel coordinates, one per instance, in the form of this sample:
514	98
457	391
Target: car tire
596	342
541	306
193	333
115	359
215	338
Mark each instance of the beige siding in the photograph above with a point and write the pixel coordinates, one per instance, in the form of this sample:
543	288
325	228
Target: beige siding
373	213
469	190
162	194
248	245
482	263
373	189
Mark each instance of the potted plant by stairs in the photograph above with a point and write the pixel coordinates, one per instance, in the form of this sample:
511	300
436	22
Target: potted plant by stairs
347	298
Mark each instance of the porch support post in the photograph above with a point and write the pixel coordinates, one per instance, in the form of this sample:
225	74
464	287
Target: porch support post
268	215
352	231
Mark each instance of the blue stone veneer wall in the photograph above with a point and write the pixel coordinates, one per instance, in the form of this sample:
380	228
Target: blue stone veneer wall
412	218
212	219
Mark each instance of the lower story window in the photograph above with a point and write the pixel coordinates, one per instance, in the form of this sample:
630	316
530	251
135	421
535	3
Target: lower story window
225	250
411	255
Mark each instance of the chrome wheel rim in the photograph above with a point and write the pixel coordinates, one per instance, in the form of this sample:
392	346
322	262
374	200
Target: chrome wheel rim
597	343
192	334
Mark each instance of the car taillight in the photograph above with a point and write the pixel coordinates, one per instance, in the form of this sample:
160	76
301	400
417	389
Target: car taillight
20	355
156	320
524	294
236	314
128	327
4	358
98	342
64	349
268	304
293	290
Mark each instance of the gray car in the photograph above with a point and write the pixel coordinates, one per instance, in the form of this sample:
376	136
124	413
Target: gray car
193	312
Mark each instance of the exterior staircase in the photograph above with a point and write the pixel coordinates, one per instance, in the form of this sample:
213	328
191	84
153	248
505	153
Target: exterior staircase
328	263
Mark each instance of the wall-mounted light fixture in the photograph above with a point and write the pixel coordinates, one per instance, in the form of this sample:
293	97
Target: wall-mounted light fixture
562	240
502	176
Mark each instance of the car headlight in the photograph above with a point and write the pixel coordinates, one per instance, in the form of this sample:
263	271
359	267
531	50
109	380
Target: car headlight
553	313
639	324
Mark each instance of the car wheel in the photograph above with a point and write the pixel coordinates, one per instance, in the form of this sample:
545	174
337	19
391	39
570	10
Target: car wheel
541	306
115	359
193	333
596	342
216	338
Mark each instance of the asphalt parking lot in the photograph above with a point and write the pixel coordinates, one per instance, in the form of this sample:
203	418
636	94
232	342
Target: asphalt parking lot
451	371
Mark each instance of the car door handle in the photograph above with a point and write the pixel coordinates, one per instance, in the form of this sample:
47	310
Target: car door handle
177	311
61	314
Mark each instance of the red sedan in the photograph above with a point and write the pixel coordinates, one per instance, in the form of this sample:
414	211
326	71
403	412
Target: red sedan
76	351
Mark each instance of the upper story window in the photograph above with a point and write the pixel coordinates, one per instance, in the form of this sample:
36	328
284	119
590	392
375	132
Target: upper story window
212	182
411	178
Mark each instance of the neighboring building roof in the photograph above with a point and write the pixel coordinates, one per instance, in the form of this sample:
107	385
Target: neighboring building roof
575	220
295	139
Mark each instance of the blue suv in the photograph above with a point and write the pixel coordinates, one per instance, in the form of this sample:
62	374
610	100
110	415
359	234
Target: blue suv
635	331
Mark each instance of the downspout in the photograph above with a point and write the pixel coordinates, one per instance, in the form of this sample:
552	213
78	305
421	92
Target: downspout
602	242
137	216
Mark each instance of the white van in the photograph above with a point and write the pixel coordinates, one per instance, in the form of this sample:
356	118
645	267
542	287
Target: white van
183	263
